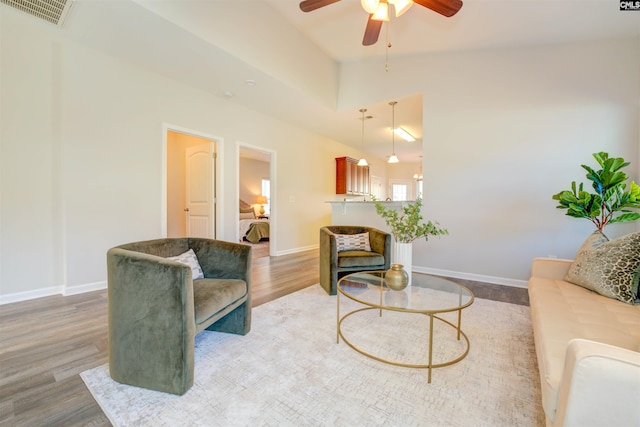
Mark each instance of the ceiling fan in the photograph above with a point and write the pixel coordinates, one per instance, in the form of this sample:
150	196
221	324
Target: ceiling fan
379	12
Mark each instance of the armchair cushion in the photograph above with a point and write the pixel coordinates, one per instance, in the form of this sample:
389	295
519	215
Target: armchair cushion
359	259
212	295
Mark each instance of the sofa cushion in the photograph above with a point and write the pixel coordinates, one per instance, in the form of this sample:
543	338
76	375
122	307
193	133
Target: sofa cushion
353	242
212	295
360	259
189	258
610	269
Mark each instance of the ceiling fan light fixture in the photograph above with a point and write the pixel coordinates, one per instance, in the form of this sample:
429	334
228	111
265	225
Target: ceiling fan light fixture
381	13
401	6
370	6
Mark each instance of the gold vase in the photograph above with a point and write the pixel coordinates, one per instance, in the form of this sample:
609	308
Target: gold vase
396	277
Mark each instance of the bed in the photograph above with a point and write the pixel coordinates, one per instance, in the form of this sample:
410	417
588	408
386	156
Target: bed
253	229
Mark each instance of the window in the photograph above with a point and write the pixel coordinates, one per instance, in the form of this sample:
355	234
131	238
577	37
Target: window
266	191
401	189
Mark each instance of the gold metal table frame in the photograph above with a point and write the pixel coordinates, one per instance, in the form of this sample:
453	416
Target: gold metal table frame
375	279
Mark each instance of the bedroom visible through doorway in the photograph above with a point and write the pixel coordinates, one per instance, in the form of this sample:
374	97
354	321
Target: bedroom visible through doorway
255	225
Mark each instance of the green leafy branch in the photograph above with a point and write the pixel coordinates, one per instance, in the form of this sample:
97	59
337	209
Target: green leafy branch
611	196
406	225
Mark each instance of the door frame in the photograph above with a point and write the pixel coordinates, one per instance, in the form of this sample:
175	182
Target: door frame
273	216
218	149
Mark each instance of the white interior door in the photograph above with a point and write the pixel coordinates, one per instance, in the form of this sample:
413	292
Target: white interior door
199	192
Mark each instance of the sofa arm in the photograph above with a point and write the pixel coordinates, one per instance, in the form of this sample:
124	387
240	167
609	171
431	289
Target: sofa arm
550	268
600	386
151	321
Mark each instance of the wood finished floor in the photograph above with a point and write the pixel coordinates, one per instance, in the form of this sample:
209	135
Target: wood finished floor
47	342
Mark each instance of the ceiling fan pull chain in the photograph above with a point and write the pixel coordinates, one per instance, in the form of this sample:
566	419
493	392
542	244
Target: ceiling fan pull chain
386	60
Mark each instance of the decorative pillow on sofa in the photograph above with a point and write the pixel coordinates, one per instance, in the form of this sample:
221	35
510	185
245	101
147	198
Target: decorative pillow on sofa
189	258
594	240
247	213
353	242
611	269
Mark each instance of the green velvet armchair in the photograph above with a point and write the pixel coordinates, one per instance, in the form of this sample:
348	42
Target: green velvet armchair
334	264
156	308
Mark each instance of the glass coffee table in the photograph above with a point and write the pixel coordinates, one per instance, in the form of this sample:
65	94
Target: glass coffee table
376	307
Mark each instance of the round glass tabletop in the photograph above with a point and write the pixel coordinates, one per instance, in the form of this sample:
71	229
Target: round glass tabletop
426	294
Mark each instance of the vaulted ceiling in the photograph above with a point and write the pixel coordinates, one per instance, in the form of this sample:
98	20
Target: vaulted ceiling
270	56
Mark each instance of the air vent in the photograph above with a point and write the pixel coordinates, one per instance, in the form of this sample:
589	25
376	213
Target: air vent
54	11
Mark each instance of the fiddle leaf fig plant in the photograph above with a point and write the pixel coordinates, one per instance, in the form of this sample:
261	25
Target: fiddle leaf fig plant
611	202
406	225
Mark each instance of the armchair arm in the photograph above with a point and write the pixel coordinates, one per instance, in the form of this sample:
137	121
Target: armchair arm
151	321
600	386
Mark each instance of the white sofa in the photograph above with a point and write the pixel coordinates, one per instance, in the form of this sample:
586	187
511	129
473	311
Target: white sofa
587	346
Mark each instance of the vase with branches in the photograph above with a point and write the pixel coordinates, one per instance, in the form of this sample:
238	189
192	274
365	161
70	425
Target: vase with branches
406	226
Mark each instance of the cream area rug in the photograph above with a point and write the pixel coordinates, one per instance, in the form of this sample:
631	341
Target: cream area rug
289	371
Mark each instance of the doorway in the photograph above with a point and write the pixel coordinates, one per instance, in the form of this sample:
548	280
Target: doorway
256	179
190	185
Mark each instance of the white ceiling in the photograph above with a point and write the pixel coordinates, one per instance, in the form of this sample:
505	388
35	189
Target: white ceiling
217	45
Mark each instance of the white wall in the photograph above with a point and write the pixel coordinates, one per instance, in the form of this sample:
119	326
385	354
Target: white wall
504	131
81	160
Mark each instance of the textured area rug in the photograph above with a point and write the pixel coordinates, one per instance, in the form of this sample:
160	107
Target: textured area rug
289	371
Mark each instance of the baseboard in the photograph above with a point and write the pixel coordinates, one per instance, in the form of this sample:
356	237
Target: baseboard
80	289
27	295
296	250
52	290
475	277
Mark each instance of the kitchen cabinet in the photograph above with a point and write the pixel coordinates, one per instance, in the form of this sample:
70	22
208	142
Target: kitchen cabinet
351	178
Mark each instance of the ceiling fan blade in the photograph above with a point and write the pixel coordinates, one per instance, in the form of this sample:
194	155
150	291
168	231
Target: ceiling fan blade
309	5
372	32
447	8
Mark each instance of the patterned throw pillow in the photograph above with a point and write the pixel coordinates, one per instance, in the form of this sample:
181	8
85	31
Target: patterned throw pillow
189	258
353	242
593	241
611	269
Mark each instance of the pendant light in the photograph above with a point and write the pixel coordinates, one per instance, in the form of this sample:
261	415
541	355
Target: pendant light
418	176
363	161
393	158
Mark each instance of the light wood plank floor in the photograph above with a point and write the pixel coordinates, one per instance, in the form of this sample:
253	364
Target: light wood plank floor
47	342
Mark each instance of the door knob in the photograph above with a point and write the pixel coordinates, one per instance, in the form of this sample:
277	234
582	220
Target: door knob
186	209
